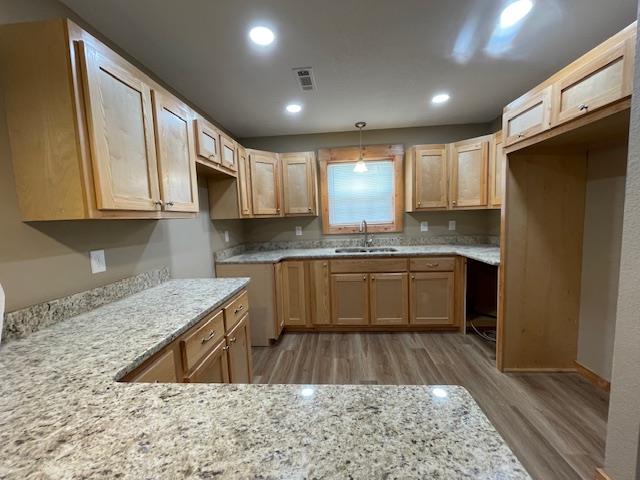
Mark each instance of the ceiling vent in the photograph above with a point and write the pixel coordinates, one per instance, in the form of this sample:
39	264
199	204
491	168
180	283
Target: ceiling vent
305	79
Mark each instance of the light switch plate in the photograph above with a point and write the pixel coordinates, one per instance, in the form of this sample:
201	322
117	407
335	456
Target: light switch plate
298	231
226	236
424	226
452	224
98	262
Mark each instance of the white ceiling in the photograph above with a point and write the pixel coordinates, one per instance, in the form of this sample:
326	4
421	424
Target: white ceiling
374	60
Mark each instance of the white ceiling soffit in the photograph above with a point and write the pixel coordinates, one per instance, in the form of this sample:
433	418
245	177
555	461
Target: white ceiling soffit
378	60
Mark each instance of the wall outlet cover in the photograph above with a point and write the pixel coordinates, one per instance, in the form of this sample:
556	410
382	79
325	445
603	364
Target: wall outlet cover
226	236
452	224
98	262
299	231
424	226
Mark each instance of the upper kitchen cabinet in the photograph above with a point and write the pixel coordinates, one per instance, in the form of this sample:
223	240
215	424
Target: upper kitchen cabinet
527	117
175	145
299	183
469	167
265	183
230	196
426	178
595	86
497	165
228	153
81	128
207	143
244	182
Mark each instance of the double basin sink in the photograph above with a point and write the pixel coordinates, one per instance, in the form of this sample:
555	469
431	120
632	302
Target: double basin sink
366	250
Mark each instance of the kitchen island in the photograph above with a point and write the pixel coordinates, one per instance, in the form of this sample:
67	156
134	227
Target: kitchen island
64	415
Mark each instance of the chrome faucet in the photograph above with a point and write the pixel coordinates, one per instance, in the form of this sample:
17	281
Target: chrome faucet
366	240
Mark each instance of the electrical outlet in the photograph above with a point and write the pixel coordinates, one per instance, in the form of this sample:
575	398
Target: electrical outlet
424	226
226	236
98	262
452	224
298	231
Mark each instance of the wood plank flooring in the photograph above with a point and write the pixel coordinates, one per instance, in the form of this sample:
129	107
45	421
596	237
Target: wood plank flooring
554	423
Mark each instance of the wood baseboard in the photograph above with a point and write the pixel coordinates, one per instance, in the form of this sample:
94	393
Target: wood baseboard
539	370
593	377
601	475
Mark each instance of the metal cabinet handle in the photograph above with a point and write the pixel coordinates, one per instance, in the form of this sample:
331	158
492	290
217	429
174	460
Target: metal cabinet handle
583	107
520	135
325	265
373	278
453	202
413	277
432	265
225	348
209	337
169	204
238	309
364	278
233	340
419	203
158	203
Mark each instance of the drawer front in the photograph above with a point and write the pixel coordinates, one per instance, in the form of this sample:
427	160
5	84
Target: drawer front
369	265
213	369
202	338
233	312
432	264
161	370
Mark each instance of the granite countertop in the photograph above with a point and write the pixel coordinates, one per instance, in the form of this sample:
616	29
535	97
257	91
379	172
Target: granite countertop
489	254
62	415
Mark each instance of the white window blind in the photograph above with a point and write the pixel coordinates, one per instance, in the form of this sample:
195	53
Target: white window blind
354	197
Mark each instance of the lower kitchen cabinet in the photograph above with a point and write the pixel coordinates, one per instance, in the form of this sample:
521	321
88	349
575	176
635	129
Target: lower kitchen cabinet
389	294
350	299
319	292
239	352
294	301
432	298
213	369
207	352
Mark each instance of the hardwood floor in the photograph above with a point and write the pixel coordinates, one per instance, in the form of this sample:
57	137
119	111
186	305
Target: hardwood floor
554	423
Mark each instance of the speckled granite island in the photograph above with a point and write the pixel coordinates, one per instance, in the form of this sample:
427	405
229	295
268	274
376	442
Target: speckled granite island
63	415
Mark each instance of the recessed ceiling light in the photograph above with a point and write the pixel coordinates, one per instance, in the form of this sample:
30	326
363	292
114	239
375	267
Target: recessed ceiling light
440	98
514	12
294	108
261	35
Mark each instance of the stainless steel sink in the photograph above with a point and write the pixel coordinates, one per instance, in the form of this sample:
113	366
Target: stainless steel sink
366	250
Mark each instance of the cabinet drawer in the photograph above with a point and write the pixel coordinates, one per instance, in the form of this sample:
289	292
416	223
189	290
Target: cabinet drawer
432	264
369	265
161	370
236	310
201	339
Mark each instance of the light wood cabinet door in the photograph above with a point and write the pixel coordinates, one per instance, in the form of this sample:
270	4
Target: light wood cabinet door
299	183
228	154
431	177
528	118
469	166
389	298
265	184
294	293
497	165
121	136
279	317
207	141
431	299
244	182
605	79
320	292
239	352
350	299
161	370
213	369
175	144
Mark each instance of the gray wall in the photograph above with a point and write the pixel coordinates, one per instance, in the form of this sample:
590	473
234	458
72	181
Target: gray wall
44	260
623	428
484	222
604	209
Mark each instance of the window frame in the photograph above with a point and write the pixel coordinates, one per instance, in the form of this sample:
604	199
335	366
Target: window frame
393	153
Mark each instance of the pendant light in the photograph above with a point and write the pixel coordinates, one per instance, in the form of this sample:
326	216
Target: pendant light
360	167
